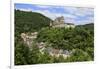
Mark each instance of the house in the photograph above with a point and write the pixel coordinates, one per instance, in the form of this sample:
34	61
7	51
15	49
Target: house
60	22
56	52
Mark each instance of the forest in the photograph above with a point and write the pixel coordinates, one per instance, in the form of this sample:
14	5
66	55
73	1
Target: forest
79	39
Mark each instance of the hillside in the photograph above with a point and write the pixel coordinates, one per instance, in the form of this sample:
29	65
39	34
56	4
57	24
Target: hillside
89	26
29	21
71	44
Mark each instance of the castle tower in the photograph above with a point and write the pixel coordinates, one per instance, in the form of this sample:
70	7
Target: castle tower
58	21
62	20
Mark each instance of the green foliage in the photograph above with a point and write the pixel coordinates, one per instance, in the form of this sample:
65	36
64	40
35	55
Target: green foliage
21	54
24	55
45	58
66	38
29	21
80	55
80	39
34	55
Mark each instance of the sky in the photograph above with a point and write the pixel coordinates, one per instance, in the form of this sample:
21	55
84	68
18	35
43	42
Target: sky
76	15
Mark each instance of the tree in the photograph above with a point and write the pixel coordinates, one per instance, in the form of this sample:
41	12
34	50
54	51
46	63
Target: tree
21	54
34	54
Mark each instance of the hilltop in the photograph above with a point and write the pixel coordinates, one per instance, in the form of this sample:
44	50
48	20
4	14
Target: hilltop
30	21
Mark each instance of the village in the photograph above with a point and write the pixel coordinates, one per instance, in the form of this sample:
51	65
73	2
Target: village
28	39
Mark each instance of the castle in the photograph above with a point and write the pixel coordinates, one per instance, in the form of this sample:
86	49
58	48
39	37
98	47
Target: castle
59	22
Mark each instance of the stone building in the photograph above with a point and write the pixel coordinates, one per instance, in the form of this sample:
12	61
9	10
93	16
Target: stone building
56	52
60	22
